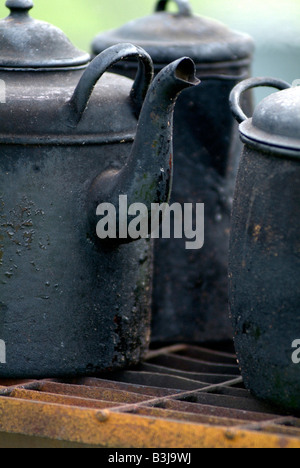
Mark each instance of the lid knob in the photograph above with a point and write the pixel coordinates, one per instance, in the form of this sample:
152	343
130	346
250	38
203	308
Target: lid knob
43	46
183	6
19	5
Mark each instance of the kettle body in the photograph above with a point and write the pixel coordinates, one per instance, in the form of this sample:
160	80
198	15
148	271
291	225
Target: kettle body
264	261
72	137
190	291
69	304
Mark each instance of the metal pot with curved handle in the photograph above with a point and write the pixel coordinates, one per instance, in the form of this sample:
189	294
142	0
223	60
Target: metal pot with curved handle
264	260
70	302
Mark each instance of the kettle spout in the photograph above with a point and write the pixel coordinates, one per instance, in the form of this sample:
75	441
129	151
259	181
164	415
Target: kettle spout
149	173
147	176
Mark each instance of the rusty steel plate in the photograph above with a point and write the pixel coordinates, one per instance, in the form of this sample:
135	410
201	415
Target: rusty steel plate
181	396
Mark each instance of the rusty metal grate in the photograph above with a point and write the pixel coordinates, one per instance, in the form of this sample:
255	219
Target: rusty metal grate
182	396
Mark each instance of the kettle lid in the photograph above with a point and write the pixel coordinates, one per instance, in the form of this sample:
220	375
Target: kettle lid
28	43
275	124
167	36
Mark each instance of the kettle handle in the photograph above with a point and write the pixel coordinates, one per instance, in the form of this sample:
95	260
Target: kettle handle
246	85
184	7
101	64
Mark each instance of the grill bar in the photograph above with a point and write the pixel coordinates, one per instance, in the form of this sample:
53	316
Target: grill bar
182	396
179	396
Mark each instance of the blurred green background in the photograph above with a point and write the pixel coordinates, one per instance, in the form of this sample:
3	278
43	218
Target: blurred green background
274	25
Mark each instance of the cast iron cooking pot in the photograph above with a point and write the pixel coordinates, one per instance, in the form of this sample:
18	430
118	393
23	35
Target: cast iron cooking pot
69	302
264	270
190	297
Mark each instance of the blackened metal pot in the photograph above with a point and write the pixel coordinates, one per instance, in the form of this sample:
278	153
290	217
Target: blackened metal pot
70	303
190	297
264	266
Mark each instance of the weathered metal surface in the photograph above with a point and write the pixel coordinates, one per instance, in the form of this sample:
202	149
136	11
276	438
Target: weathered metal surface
167	36
265	254
266	131
71	305
57	102
122	430
198	376
78	308
155	391
161	380
190	294
61	399
218	412
27	42
52	413
147	176
195	365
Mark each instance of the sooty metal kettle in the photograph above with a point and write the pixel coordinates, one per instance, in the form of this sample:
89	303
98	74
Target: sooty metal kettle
190	296
70	303
264	264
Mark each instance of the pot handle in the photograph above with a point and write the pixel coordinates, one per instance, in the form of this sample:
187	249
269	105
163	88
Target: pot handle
184	7
101	64
246	85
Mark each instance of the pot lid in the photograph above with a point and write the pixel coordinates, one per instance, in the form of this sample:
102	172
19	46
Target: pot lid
167	36
276	119
29	43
